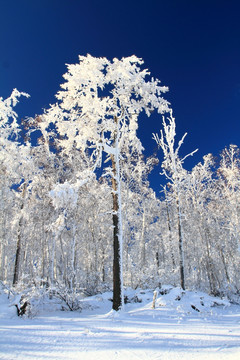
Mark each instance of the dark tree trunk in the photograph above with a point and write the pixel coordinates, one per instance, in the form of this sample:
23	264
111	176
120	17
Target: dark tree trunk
157	259
17	258
19	241
117	296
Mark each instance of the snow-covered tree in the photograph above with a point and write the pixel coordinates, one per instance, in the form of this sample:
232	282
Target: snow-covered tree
13	154
198	198
98	111
172	168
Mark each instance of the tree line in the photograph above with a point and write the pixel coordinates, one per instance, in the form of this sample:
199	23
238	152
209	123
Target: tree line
77	211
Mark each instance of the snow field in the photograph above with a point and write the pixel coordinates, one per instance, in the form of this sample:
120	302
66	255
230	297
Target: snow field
173	330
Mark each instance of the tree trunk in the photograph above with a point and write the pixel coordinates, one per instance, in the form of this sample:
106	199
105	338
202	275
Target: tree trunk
72	276
142	241
117	238
19	241
211	273
180	244
17	258
170	234
118	296
51	259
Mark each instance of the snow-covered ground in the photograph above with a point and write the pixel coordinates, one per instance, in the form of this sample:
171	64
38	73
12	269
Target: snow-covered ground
182	326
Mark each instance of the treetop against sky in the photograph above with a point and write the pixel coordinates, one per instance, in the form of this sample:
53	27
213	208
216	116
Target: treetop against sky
192	47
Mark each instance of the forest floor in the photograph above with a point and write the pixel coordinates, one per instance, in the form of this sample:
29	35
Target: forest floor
189	325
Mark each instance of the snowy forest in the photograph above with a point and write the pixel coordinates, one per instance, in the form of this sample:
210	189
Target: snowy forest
77	210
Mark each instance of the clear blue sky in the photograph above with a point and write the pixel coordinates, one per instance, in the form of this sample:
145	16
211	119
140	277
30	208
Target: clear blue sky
192	46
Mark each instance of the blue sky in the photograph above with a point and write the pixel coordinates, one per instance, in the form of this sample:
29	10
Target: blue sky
193	47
